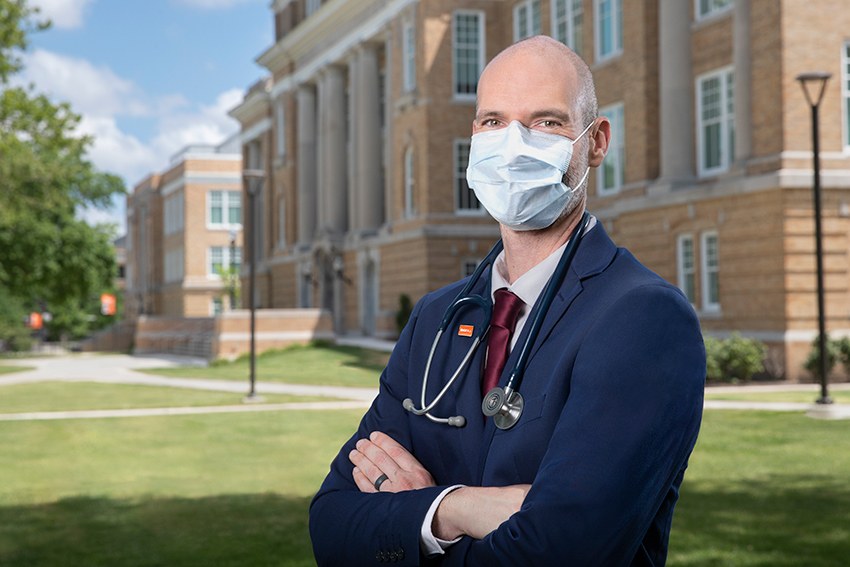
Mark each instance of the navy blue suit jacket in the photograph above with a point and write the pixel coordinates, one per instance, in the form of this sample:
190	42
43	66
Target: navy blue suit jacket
613	400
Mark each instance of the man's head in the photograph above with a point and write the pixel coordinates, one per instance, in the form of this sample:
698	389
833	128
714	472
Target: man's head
545	86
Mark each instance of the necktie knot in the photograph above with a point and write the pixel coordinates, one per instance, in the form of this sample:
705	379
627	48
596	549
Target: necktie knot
506	309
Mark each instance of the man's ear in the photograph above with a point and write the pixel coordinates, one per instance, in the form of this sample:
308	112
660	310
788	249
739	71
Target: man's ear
599	136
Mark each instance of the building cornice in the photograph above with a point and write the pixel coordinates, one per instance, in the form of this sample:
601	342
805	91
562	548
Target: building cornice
256	102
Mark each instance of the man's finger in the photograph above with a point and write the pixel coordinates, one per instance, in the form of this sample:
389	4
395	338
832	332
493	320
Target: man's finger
366	467
395	451
379	457
361	481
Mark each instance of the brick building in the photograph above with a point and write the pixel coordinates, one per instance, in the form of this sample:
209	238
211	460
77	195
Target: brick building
184	229
362	128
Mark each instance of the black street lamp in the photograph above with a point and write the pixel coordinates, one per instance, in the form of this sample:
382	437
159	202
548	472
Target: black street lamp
254	182
816	82
233	275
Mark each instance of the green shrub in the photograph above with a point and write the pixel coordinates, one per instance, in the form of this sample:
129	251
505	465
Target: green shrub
834	352
735	359
405	308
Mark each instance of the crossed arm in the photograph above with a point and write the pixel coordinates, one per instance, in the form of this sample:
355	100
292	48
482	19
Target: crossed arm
474	511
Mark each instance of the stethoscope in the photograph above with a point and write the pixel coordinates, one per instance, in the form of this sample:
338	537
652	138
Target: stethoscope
504	405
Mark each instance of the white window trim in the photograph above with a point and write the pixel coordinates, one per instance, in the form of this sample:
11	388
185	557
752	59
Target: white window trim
528	6
569	14
409	172
225	210
408	58
601	190
706	306
725	157
845	96
480	211
712	13
482	49
680	263
281	222
225	260
618	49
212	305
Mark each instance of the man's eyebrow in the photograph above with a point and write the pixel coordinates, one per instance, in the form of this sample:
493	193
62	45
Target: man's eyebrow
486	114
560	115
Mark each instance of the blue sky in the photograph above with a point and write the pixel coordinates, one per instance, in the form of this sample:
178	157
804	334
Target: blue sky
148	76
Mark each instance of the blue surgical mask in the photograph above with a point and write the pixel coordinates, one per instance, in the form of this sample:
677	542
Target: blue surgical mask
517	174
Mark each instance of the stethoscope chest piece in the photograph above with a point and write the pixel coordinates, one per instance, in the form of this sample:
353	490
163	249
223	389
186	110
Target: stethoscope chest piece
504	406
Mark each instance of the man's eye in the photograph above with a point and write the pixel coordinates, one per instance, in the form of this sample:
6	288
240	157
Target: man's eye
549	124
491	122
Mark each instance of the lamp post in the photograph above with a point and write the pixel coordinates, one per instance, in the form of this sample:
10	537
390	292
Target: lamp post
254	181
814	85
233	275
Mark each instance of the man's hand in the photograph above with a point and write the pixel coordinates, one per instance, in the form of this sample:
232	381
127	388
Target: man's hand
381	454
477	510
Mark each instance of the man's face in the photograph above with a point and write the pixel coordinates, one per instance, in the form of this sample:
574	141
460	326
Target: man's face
536	89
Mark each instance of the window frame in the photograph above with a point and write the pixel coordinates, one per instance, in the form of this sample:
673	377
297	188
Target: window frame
845	95
706	270
616	150
459	180
531	29
573	23
226	197
409	172
726	121
225	260
682	272
616	26
481	48
712	11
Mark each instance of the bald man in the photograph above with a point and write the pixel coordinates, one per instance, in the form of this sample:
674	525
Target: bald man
590	473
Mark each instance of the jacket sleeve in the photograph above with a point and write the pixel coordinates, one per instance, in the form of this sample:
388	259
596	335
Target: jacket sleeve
348	527
620	446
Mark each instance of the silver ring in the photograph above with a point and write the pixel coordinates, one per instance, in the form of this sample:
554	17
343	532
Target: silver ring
379	481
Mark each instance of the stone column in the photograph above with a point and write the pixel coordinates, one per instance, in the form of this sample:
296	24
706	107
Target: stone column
743	81
306	164
353	147
369	143
333	162
675	91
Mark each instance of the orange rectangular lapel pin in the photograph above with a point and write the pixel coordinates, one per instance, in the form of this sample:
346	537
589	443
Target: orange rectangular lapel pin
465	330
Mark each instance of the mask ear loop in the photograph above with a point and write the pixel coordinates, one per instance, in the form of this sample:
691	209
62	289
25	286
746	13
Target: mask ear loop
586	171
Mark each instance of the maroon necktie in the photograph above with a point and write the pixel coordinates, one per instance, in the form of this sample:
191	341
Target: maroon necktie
505	314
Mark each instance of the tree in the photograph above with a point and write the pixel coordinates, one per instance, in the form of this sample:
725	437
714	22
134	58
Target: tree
49	259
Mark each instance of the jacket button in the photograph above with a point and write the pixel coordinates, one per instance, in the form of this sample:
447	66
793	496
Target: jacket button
380	557
400	553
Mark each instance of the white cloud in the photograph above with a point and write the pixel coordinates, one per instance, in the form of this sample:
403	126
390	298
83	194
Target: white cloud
89	89
102	98
65	14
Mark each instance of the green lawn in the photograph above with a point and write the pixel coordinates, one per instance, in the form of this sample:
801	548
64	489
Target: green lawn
232	490
7	369
314	364
71	396
839	396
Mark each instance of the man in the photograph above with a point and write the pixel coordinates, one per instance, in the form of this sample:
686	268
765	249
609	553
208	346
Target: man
590	473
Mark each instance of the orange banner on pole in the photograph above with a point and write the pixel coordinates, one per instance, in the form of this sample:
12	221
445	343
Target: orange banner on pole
107	304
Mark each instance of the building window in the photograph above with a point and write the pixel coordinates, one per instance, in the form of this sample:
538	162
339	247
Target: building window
526	19
408	58
409	184
468	267
710	272
224	209
467	51
280	127
612	176
312	6
219	260
845	92
281	223
686	267
705	8
609	28
567	20
216	306
465	199
715	121
173	213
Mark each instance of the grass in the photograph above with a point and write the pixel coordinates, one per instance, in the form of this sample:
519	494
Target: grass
11	369
839	396
765	488
185	491
71	396
318	364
